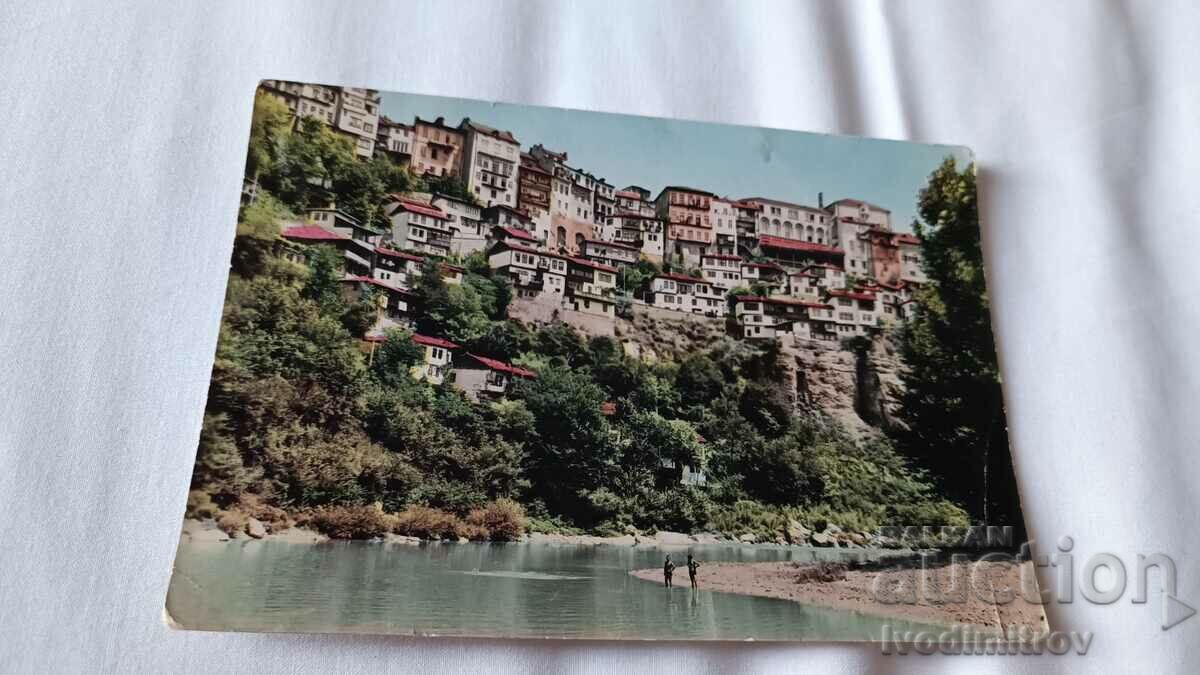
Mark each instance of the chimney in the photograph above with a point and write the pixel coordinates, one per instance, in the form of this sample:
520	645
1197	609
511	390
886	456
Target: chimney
820	200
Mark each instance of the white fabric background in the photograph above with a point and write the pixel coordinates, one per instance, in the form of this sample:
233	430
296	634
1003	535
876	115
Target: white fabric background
124	133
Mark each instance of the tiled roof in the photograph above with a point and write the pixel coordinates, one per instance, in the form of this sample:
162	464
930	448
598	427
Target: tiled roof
433	341
594	265
782	301
312	233
398	254
376	282
853	295
907	239
489	131
856	202
681	277
500	366
721	256
611	243
793	245
418	207
516	232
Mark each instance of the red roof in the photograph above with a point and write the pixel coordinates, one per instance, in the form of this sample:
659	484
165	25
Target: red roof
793	245
907	239
500	366
825	266
763	266
782	301
593	265
533	251
452	268
376	282
312	233
629	194
611	243
721	256
853	295
608	408
516	232
418	207
433	341
681	277
398	254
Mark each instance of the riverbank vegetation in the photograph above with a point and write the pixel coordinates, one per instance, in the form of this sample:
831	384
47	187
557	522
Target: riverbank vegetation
299	424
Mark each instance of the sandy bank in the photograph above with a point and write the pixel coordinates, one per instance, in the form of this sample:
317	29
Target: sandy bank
973	602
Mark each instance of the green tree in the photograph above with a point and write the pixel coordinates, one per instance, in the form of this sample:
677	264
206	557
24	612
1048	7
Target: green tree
569	454
396	355
270	124
952	405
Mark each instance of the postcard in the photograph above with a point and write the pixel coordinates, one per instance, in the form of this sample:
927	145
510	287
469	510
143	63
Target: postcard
507	371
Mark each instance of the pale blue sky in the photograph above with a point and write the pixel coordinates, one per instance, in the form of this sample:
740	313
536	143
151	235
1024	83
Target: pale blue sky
727	160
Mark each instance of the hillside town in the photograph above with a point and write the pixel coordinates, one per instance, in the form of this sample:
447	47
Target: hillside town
567	241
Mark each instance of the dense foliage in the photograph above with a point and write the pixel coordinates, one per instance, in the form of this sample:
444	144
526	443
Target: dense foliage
952	407
302	420
298	420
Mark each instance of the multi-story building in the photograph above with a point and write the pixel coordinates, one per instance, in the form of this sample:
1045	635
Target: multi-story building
436	362
912	267
722	270
747	225
634	199
534	185
792	222
767	274
611	253
358	118
394	140
591	287
855	312
772	318
605	202
798	254
644	232
853	221
468	232
437	148
683	293
572	204
507	216
395	310
349	111
723	217
490	160
479	376
396	268
685	211
420	227
354	262
531	272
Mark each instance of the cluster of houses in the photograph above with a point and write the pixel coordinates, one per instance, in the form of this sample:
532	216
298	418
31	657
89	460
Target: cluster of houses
561	234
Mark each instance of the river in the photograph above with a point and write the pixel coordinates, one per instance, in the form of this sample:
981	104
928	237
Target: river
494	590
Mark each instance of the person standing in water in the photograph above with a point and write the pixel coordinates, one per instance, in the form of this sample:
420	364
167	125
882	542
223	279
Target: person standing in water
668	569
692	565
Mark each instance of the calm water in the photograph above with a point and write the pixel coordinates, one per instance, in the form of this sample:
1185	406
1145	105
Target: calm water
500	590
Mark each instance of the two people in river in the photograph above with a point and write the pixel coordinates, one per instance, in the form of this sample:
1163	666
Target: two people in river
669	570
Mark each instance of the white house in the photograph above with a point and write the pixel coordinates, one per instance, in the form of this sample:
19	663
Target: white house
468	234
490	161
420	227
531	272
591	287
722	270
479	376
435	364
681	293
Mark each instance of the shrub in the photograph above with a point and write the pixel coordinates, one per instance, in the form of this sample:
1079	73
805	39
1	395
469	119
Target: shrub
273	517
350	522
504	519
200	505
232	523
427	523
474	532
749	517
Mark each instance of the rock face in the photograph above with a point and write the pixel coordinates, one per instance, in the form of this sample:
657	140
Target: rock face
658	334
859	387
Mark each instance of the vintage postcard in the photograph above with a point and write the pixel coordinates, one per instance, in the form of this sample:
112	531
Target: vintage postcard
506	371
